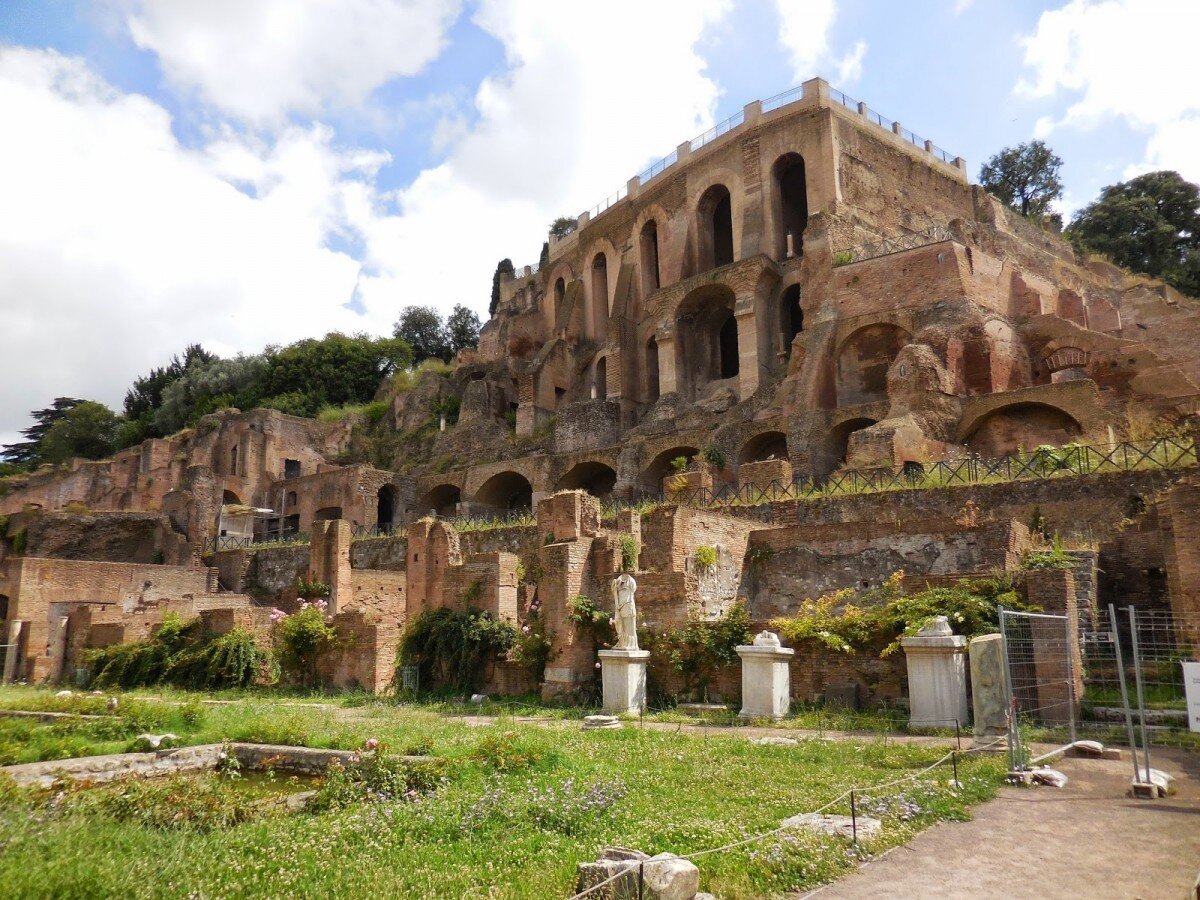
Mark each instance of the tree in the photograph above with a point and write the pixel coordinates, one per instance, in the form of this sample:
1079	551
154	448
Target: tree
27	453
562	226
333	371
504	267
207	387
544	256
1025	177
1149	224
462	329
88	429
422	329
145	396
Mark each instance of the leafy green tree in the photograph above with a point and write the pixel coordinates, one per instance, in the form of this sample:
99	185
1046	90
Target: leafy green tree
462	329
27	453
562	226
504	267
1025	177
88	429
145	396
422	329
207	387
332	371
544	257
1149	224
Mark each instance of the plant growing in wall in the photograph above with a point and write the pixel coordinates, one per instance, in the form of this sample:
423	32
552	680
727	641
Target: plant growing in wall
629	552
714	456
311	590
680	464
302	638
705	557
531	647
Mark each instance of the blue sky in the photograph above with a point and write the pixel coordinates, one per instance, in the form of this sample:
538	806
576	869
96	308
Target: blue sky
240	172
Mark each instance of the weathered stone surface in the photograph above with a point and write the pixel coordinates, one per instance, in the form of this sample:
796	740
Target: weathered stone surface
841	826
989	680
774	741
661	877
592	723
1049	777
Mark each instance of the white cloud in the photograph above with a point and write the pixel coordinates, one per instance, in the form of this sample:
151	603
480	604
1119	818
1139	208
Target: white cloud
258	60
1132	60
804	32
119	245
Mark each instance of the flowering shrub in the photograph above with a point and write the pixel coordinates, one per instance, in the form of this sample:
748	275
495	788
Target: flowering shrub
531	646
310	590
302	638
698	649
376	777
847	620
705	556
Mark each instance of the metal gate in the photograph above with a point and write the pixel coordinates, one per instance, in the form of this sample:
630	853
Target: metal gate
1120	681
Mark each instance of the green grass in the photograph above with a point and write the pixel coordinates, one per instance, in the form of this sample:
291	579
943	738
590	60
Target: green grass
507	823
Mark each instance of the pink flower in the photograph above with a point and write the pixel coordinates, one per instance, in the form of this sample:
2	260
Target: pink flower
372	744
597	665
525	629
277	615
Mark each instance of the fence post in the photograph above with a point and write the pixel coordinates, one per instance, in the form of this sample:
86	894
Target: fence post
1014	729
853	818
1116	637
1137	674
1072	646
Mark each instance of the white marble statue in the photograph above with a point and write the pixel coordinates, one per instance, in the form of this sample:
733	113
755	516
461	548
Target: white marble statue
625	617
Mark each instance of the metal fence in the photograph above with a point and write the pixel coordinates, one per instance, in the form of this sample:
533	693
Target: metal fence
1121	681
933	235
1168	452
257	542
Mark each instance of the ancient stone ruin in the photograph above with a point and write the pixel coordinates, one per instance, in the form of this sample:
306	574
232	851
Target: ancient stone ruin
801	354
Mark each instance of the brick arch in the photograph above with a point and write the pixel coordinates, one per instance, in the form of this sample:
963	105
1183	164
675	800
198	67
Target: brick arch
550	299
442	499
704	351
596	477
700	256
507	490
863	359
653	472
1023	425
764	445
653	212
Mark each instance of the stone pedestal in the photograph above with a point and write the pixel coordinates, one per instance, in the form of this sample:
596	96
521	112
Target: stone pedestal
624	676
989	686
937	676
766	679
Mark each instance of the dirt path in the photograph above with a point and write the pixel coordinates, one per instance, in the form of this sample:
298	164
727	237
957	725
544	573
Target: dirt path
1085	840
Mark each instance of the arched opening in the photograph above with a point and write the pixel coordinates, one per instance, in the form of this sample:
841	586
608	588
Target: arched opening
863	363
791	316
327	514
600	379
1022	426
385	507
715	228
768	445
506	491
652	388
653	475
560	294
727	341
229	498
599	322
792	209
839	442
442	500
233	460
648	241
976	370
594	477
706	345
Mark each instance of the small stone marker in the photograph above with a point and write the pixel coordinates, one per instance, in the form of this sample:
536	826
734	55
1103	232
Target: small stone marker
843	826
592	723
989	686
663	877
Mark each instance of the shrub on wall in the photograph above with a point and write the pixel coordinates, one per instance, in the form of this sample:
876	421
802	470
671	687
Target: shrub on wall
302	638
629	552
705	556
531	647
698	649
181	654
848	620
452	646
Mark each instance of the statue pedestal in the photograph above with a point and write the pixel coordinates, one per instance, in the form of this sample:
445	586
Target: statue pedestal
624	675
937	676
766	677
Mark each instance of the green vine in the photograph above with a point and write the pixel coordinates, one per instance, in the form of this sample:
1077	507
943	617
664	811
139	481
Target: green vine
629	552
452	646
698	649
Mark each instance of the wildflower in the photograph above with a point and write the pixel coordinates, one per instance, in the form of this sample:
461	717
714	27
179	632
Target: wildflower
277	615
525	629
597	665
372	744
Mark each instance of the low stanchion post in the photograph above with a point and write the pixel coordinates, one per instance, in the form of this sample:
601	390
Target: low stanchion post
957	738
853	819
954	763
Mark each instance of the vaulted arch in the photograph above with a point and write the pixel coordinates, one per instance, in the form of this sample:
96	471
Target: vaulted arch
863	361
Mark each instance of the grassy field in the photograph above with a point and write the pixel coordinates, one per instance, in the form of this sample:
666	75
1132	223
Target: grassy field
521	804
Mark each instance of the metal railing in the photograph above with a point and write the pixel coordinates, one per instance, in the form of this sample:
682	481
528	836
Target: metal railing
359	532
932	235
258	541
1170	452
778	101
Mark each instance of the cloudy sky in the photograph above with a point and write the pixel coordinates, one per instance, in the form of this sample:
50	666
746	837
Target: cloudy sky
244	172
